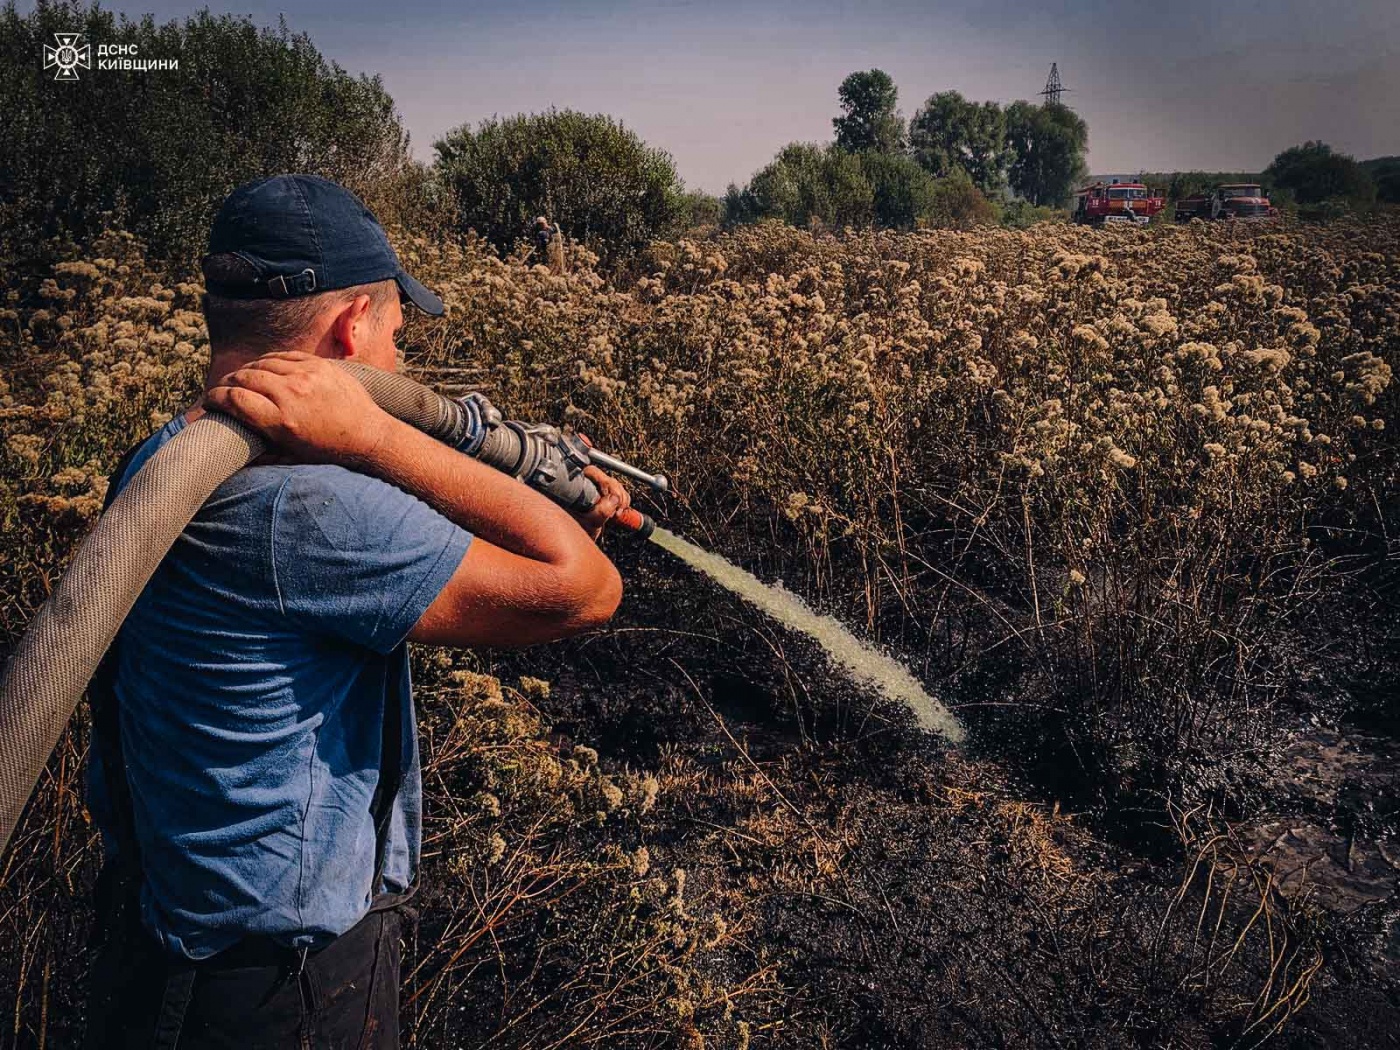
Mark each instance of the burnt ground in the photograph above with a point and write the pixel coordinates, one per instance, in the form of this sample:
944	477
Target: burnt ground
951	903
872	888
1331	832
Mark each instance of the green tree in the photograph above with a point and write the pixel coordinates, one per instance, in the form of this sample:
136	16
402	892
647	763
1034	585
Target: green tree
738	206
1314	173
1046	146
1385	173
806	183
1387	178
156	152
950	134
587	173
697	208
902	192
869	119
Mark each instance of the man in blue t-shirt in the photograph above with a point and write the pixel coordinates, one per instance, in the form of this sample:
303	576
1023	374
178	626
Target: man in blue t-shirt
255	767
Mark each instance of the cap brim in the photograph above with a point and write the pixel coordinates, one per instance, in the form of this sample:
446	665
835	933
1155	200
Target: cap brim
418	295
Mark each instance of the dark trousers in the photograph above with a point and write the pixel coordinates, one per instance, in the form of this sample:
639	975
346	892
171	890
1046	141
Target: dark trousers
255	995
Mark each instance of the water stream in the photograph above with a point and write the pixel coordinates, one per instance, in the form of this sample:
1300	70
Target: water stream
866	664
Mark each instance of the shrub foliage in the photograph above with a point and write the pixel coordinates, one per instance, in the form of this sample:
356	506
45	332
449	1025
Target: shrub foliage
826	186
1314	173
157	152
595	178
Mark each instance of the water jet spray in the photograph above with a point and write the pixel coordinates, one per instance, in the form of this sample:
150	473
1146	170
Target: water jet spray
862	661
553	462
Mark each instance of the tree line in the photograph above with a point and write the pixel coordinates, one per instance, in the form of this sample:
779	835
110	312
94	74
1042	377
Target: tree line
956	162
1312	179
156	153
1314	174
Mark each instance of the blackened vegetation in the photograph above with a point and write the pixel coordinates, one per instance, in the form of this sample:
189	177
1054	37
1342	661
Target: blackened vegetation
888	892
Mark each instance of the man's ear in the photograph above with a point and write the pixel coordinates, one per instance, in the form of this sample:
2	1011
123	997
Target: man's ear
350	330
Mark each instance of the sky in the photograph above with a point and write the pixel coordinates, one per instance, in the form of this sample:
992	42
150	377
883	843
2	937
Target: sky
723	85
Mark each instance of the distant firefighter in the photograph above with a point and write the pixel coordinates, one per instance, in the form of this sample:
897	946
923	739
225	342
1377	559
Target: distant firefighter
549	245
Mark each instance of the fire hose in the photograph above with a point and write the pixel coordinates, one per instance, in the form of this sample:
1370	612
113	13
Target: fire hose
59	652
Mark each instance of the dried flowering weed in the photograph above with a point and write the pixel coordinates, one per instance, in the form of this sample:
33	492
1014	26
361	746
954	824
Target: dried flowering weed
930	425
1064	470
1072	447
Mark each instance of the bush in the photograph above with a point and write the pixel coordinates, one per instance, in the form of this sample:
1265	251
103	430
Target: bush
700	209
1020	214
1388	185
1314	173
1385	172
958	204
903	192
811	185
596	179
156	152
805	183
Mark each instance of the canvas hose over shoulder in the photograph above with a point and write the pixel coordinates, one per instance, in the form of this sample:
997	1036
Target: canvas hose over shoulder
64	643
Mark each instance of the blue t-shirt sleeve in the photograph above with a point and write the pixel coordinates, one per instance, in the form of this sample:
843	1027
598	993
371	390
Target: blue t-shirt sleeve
357	558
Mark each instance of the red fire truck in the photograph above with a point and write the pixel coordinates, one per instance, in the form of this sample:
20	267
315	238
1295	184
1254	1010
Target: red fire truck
1238	200
1104	202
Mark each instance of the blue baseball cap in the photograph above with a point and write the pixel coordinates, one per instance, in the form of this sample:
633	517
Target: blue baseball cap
302	234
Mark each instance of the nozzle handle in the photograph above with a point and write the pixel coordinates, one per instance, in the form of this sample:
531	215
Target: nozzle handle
614	465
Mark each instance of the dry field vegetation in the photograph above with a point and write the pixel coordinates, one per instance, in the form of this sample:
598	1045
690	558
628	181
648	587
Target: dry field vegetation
1115	495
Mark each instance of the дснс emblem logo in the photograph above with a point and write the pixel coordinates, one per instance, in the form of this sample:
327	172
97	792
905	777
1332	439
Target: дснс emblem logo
67	56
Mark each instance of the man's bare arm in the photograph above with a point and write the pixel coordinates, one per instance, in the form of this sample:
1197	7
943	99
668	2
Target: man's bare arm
532	573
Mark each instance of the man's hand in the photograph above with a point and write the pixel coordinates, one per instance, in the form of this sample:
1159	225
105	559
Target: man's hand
612	500
304	405
317	413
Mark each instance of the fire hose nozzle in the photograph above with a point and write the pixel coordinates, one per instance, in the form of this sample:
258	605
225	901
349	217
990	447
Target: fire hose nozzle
632	520
548	460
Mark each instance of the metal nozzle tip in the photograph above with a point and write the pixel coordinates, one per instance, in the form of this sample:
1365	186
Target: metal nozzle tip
660	483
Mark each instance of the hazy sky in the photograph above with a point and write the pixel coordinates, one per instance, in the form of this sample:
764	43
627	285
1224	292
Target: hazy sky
1215	84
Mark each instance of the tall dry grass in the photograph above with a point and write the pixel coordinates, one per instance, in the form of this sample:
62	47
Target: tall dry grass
1079	472
1083	477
